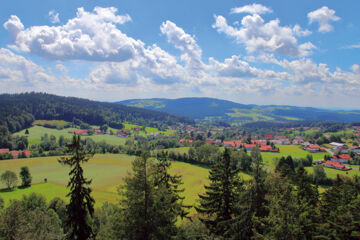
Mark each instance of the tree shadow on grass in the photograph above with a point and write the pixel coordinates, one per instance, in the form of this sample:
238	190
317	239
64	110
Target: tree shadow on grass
4	190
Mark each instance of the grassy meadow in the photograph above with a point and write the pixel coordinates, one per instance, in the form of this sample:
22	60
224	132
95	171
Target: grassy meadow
36	132
105	170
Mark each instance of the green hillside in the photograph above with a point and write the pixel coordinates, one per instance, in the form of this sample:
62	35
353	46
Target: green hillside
19	111
216	109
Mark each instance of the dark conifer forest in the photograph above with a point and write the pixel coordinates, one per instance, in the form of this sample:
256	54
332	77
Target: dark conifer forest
18	111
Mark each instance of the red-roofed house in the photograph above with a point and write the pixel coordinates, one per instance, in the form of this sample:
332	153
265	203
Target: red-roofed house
238	143
182	140
16	154
82	132
266	148
313	148
269	136
336	165
97	131
248	147
210	141
341	158
4	150
121	134
229	144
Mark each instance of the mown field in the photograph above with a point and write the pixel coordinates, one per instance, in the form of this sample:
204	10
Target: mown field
294	151
36	132
106	171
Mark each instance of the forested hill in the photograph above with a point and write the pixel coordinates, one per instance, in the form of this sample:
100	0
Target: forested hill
18	111
211	108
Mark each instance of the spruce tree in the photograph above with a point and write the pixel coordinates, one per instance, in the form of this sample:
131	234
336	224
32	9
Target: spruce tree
81	203
253	204
307	199
217	205
150	204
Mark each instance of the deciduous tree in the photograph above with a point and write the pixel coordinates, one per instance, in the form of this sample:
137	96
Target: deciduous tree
10	179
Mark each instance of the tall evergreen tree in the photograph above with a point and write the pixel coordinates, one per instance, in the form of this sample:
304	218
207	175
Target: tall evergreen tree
217	205
285	166
339	209
150	201
253	204
307	199
81	203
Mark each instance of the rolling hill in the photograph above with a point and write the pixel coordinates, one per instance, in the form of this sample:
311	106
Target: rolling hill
18	111
211	108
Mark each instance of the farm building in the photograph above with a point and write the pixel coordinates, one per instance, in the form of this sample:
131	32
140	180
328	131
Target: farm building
17	153
229	144
315	148
4	150
336	165
266	148
121	134
342	158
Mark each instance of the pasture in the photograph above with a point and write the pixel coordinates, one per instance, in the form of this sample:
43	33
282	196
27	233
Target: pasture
295	151
36	132
105	170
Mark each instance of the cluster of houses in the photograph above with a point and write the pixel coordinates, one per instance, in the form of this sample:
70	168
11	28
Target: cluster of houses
82	132
15	154
313	148
122	133
262	144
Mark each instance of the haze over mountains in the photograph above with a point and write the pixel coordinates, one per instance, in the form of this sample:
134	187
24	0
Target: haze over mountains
211	108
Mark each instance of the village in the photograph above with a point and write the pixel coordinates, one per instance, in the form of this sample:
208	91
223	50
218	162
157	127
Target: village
338	154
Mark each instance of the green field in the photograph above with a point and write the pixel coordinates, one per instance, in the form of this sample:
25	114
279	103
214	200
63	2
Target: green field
293	150
148	129
106	171
36	132
57	123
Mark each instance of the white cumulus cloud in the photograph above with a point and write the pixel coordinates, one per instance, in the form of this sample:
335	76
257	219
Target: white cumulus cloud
252	9
17	71
89	36
259	36
186	43
323	16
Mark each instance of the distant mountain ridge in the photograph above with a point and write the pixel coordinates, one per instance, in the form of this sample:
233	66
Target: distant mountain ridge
212	108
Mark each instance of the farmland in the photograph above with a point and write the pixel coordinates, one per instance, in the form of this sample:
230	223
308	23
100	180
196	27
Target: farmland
37	131
106	172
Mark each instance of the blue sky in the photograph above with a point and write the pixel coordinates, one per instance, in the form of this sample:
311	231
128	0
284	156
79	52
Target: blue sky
304	53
